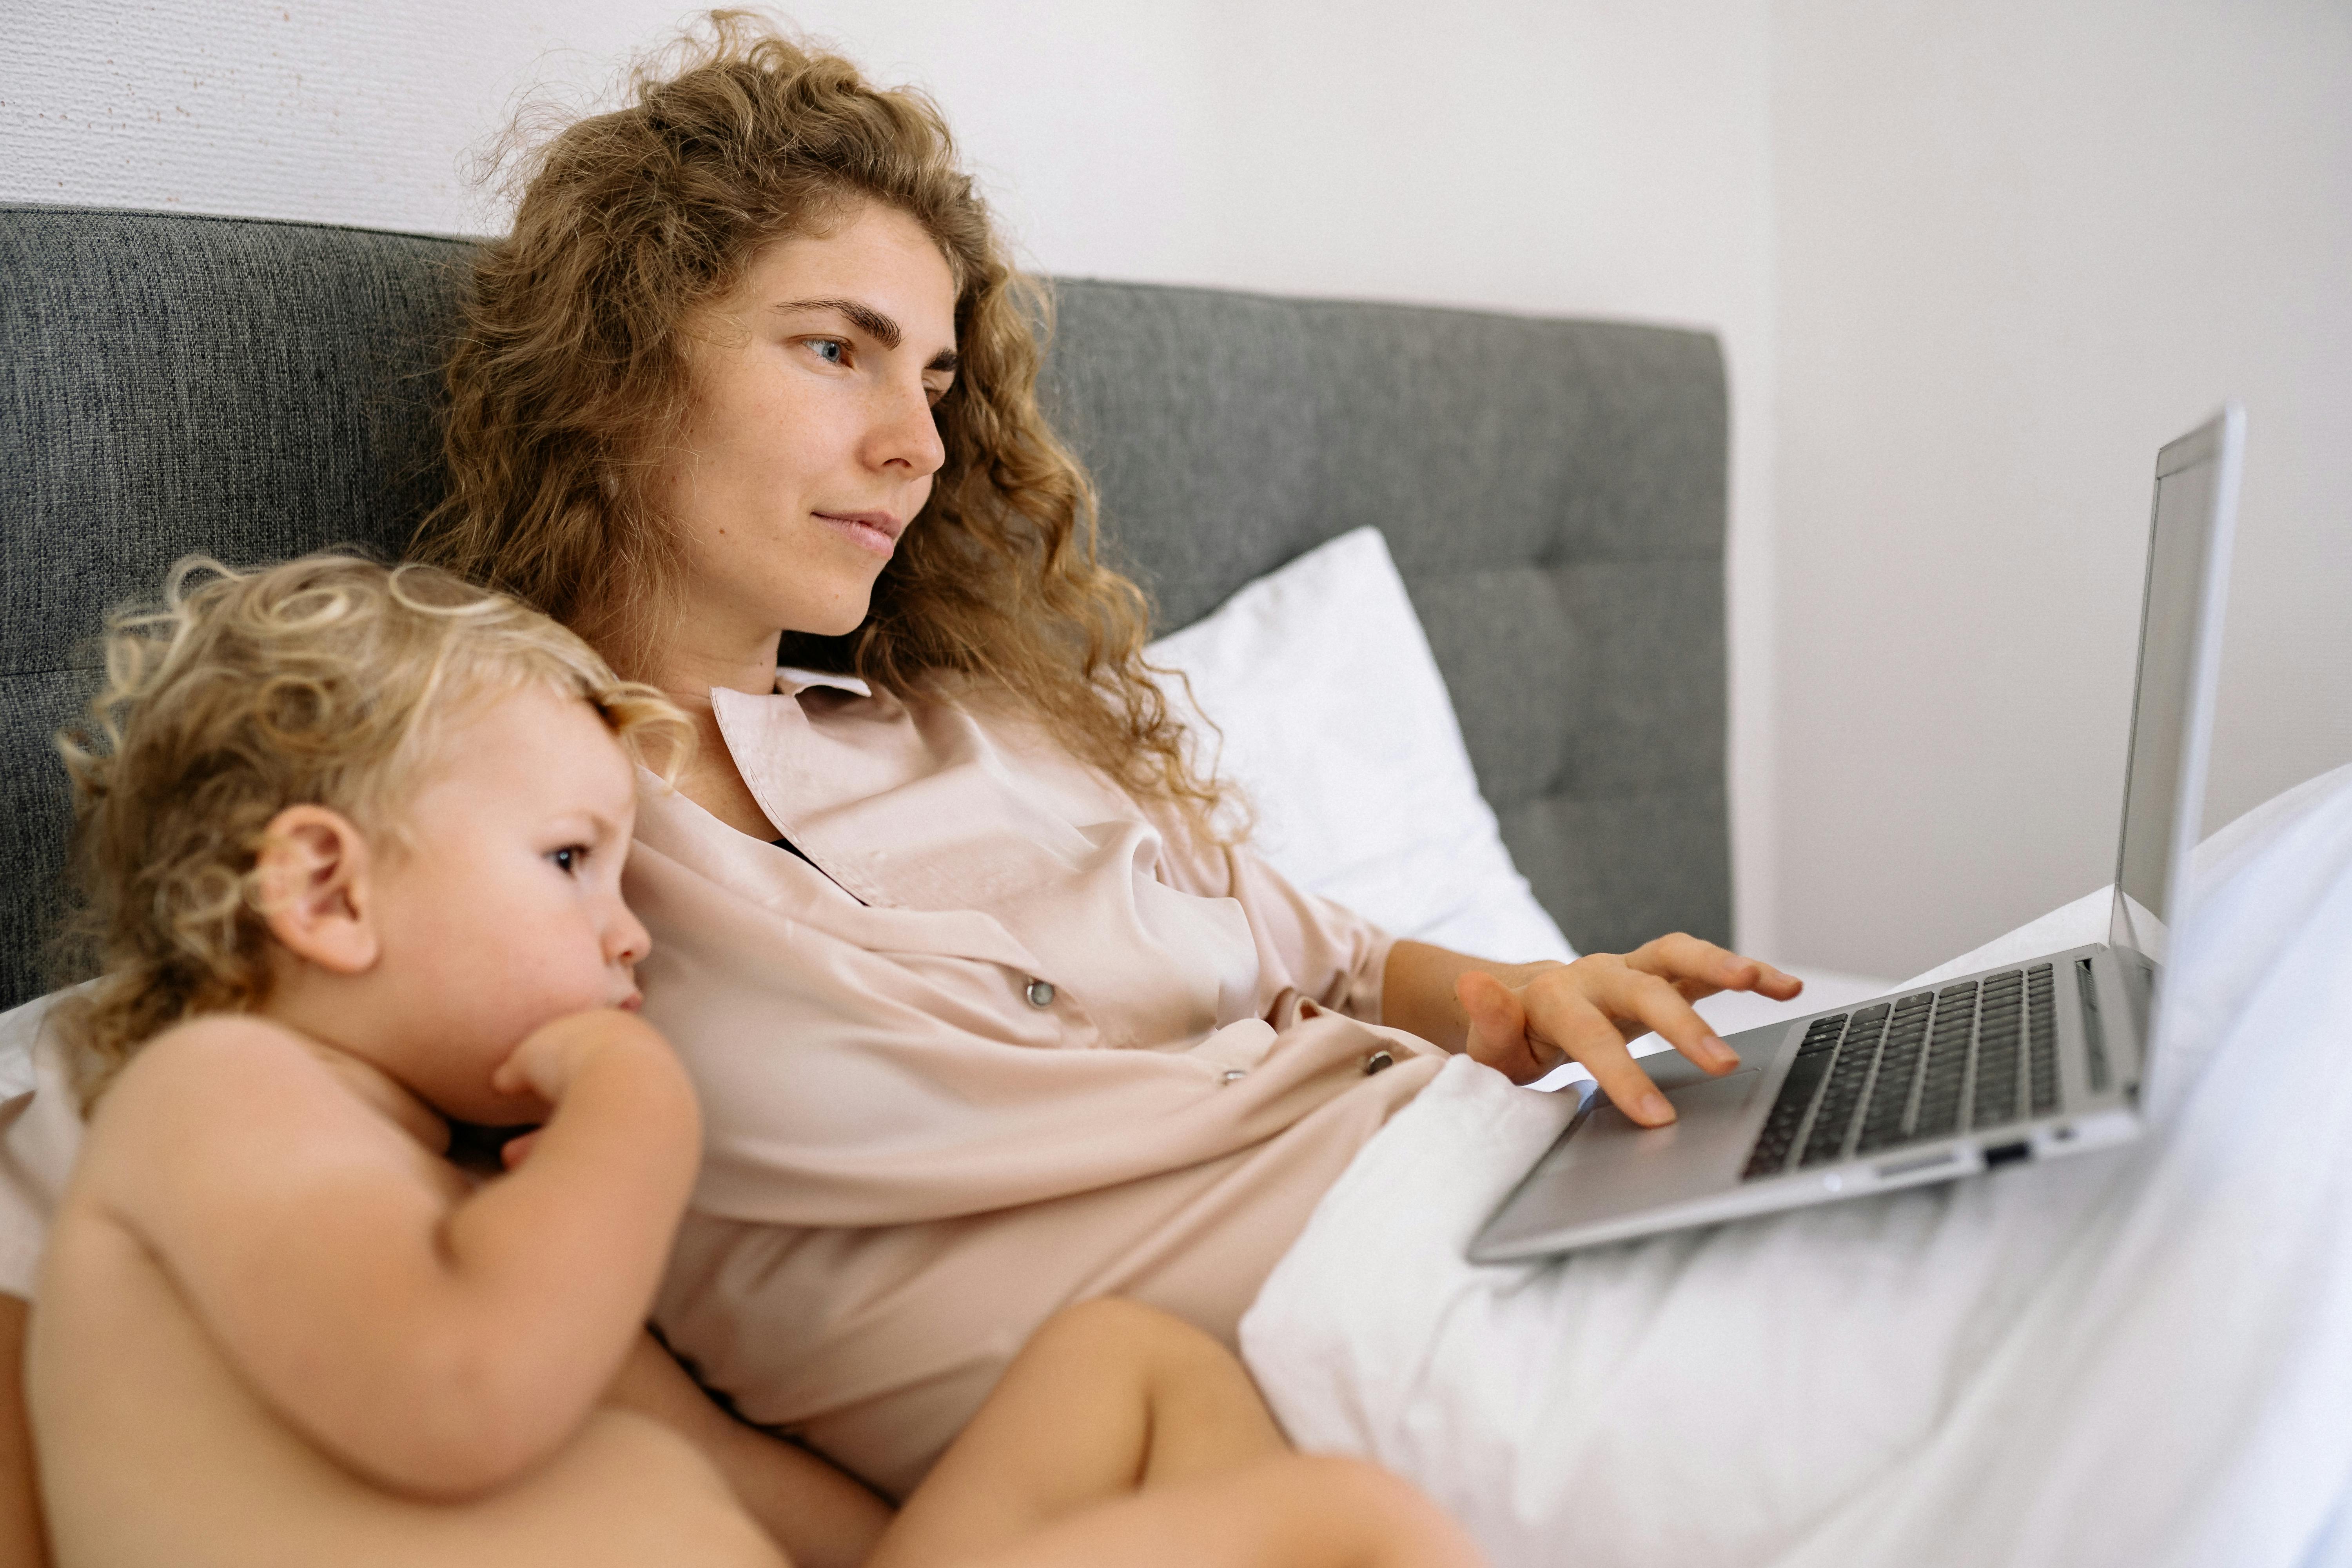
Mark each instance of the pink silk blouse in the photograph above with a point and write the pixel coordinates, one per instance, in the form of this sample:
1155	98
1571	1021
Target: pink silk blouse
1012	1041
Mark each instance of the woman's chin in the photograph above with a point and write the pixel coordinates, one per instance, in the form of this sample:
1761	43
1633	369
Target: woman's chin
820	593
837	620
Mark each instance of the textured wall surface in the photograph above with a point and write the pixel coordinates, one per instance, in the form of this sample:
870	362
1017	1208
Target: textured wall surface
336	114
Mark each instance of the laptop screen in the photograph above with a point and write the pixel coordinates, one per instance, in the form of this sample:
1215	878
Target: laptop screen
2172	712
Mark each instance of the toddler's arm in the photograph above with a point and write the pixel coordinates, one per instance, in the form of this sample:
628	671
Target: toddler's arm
437	1342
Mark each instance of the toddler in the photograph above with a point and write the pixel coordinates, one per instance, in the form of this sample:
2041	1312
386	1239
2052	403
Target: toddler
350	841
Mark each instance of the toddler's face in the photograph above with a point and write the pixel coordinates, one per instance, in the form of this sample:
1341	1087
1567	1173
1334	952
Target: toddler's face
504	910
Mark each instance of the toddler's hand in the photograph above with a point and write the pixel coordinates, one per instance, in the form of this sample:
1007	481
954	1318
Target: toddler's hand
554	1056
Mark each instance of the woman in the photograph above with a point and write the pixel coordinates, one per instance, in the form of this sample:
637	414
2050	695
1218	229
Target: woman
987	1017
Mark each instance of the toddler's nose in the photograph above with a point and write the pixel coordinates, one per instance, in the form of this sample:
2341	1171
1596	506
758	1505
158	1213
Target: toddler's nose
627	939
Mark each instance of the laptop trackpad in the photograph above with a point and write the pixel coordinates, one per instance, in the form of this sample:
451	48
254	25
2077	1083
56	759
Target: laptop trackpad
1613	1164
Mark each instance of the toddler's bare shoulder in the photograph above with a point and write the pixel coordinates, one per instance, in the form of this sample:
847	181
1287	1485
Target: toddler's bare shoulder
222	1053
227	1078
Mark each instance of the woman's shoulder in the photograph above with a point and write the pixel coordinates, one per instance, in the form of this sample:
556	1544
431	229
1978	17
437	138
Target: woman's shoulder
1021	738
1196	844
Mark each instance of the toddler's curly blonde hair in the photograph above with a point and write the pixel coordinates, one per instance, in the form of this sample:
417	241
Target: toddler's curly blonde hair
327	681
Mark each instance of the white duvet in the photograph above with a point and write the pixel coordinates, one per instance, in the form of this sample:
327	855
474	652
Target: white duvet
2141	1357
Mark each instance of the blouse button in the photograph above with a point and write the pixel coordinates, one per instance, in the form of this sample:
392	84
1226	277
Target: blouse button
1379	1061
1041	994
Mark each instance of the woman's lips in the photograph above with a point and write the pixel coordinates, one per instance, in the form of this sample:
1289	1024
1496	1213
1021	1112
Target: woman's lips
875	530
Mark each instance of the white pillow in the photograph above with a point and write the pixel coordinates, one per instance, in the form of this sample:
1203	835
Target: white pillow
1337	725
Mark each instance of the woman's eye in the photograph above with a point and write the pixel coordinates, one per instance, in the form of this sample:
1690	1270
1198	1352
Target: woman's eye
832	350
570	859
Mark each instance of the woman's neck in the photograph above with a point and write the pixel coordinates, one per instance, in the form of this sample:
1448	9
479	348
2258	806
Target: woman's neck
690	674
689	661
710	777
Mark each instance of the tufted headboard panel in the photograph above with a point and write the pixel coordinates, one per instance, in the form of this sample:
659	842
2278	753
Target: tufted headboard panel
1553	490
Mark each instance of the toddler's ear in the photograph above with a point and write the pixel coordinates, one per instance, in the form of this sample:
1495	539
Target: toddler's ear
315	888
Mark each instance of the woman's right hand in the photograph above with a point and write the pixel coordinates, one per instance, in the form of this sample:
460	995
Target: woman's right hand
1528	1022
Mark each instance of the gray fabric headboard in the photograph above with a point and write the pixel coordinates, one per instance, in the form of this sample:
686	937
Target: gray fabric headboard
1553	490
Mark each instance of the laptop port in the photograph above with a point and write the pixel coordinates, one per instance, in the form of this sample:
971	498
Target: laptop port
2006	1154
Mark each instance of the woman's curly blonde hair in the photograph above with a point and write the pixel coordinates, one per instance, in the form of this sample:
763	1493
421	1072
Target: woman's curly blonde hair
567	382
327	680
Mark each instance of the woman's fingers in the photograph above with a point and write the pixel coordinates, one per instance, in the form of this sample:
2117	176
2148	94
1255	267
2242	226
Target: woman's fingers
1592	1008
1498	1028
1589	1010
1698	968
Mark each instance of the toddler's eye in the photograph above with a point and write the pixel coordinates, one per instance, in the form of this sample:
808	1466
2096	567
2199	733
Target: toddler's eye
570	859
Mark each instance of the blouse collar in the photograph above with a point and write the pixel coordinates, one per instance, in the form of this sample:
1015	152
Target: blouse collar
791	682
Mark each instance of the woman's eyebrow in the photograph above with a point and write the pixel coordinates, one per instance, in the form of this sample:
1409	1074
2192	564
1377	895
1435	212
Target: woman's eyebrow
864	318
873	323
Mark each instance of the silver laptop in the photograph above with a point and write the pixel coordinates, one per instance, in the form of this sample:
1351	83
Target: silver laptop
2028	1061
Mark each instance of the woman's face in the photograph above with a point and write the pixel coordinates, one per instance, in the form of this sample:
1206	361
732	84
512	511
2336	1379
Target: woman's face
810	445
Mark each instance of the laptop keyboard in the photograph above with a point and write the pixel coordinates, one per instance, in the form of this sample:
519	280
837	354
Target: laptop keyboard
1927	1065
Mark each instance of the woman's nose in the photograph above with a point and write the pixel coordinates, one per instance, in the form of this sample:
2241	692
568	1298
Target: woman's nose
906	433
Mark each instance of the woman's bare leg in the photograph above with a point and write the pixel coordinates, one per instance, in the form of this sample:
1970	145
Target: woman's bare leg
1289	1510
1120	1434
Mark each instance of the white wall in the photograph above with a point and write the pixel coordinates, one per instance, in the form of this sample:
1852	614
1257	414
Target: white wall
2019	245
1950	255
1589	158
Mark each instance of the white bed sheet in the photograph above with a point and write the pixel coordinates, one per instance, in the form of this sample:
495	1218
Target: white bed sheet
2140	1357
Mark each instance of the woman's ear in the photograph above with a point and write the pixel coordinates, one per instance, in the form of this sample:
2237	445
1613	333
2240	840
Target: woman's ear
313	877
